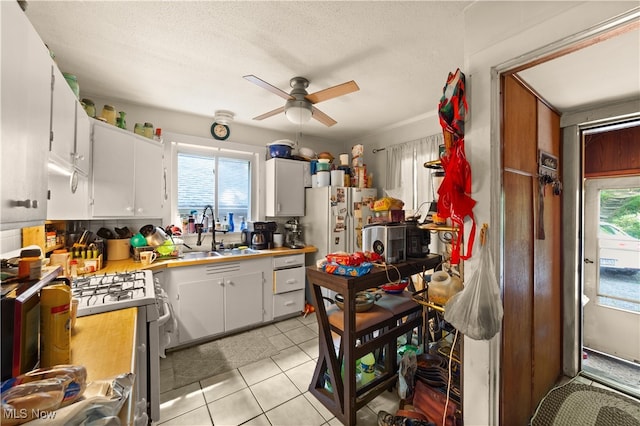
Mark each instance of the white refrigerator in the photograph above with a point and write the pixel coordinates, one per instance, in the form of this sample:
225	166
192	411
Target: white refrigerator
334	218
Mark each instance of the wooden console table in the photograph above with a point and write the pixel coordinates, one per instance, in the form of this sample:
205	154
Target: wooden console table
389	318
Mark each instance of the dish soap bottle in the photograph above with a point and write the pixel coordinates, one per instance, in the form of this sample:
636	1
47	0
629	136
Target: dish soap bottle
231	225
243	224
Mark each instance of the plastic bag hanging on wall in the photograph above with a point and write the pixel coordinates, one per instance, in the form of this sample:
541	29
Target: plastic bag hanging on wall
477	310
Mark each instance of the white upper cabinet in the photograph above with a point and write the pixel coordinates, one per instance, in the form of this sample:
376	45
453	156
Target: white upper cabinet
63	119
127	174
25	117
284	187
82	151
149	178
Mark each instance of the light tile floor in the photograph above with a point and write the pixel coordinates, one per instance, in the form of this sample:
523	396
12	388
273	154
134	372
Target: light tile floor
270	392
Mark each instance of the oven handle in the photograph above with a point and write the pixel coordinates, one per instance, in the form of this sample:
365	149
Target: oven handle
167	314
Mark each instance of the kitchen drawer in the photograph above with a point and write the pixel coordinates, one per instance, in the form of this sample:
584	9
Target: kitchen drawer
280	262
288	280
288	303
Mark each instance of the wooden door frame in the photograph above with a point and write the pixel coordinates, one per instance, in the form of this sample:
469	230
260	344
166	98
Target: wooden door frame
572	343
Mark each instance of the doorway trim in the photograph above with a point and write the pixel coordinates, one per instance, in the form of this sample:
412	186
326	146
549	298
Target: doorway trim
572	199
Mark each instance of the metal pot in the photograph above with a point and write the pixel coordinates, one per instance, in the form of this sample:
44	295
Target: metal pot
364	300
155	237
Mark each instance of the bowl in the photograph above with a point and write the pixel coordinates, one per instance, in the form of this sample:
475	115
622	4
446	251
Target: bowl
279	151
364	301
394	288
325	155
307	153
138	240
166	249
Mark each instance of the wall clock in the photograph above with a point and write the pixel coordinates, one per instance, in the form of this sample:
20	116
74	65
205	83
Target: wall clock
220	131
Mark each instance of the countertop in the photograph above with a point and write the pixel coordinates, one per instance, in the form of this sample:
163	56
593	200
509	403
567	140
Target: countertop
113	266
106	351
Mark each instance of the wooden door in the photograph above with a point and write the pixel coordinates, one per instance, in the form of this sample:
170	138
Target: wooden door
531	335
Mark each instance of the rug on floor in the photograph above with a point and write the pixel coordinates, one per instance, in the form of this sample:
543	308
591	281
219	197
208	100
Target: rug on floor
212	358
581	404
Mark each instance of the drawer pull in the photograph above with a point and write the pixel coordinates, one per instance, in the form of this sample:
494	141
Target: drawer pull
288	303
292	281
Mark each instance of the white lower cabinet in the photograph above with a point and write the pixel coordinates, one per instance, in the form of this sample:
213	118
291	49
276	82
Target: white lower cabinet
200	309
288	285
217	298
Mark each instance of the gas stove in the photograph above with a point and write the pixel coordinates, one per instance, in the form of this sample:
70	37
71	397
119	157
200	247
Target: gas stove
109	292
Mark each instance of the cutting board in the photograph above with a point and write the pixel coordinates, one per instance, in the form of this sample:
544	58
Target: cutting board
34	235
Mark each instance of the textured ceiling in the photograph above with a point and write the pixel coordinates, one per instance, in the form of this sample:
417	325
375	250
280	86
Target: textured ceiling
191	56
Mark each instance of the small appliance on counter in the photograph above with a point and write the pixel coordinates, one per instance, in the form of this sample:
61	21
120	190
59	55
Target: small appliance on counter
262	235
294	234
418	240
388	240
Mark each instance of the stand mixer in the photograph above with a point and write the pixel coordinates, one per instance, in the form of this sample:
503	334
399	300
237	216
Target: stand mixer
293	237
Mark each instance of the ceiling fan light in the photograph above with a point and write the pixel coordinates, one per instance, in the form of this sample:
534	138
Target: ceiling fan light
223	116
298	114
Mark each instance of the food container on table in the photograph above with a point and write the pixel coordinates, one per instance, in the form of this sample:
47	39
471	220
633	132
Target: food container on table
280	148
442	286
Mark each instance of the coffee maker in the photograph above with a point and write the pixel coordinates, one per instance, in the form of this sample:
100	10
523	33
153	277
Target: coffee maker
260	235
294	234
417	239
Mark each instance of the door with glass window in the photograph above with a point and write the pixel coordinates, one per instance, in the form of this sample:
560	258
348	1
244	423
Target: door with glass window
611	274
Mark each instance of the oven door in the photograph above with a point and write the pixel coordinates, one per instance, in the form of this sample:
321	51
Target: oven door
147	367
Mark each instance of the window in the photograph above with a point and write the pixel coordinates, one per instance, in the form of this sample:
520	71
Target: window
619	248
407	178
217	178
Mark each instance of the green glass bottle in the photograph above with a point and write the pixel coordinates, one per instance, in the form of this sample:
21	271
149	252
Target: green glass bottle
120	121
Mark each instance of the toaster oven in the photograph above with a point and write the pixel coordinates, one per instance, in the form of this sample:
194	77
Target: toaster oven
388	240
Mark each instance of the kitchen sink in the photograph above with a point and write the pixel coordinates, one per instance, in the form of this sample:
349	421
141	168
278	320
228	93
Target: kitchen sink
238	252
190	255
200	254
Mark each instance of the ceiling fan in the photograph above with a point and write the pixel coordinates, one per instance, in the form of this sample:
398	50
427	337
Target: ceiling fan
299	106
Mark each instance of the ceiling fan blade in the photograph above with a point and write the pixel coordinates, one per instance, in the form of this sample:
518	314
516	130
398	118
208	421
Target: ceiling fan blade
269	114
273	89
322	117
332	92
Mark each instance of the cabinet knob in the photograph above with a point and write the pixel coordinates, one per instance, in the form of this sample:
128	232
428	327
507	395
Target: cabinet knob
129	209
